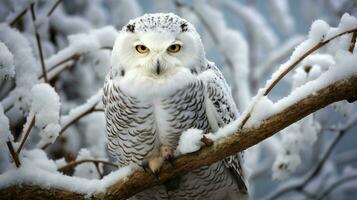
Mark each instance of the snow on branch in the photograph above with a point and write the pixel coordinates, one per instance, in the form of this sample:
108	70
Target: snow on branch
238	140
92	105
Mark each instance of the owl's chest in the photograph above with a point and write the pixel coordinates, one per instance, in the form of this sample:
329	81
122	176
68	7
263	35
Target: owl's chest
167	116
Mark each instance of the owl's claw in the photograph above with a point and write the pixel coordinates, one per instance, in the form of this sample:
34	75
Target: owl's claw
156	174
170	159
155	162
145	165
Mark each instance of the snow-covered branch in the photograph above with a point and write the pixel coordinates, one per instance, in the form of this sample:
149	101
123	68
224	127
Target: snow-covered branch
238	140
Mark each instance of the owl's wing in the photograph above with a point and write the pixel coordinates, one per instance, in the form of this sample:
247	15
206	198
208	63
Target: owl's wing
126	117
110	99
221	110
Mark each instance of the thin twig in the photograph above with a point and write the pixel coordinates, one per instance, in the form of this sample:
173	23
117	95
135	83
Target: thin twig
336	184
39	45
317	169
73	164
74	57
53	8
98	170
291	66
27	133
79	117
74	120
353	42
307	53
18	17
13	154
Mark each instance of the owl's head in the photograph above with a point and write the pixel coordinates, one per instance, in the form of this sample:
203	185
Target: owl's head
157	45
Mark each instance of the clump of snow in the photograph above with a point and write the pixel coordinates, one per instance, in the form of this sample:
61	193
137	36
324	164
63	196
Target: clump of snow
318	30
262	109
46	106
347	22
284	165
27	68
344	108
190	141
83	43
294	139
86	170
37	169
7	68
323	60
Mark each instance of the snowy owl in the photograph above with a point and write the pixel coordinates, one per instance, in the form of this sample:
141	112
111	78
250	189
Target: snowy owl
160	85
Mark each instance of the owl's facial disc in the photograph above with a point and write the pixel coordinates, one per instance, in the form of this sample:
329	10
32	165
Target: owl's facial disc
156	54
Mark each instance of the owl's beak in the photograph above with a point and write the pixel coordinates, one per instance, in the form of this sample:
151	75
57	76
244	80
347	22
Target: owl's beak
158	68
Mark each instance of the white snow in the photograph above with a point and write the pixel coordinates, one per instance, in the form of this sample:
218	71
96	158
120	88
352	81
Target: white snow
190	141
284	165
84	43
318	30
46	106
37	169
7	68
26	67
294	139
5	128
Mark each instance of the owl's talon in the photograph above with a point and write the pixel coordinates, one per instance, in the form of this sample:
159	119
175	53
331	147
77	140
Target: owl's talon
145	165
170	159
156	174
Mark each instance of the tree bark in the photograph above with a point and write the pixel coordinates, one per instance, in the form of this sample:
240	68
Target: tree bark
241	140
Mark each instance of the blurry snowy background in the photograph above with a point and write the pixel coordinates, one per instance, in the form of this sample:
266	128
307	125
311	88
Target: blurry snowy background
248	39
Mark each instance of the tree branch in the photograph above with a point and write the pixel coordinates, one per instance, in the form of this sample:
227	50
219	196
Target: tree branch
53	7
38	42
73	164
13	154
271	85
237	142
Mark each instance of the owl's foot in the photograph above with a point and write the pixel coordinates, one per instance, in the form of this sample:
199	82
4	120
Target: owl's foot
153	165
167	153
155	162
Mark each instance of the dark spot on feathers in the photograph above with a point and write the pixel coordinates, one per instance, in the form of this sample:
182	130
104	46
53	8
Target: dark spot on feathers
130	28
184	27
122	72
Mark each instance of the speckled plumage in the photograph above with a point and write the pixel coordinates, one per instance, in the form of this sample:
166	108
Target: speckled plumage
144	110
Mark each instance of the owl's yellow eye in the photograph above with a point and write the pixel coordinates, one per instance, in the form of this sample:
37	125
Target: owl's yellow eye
174	48
141	49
